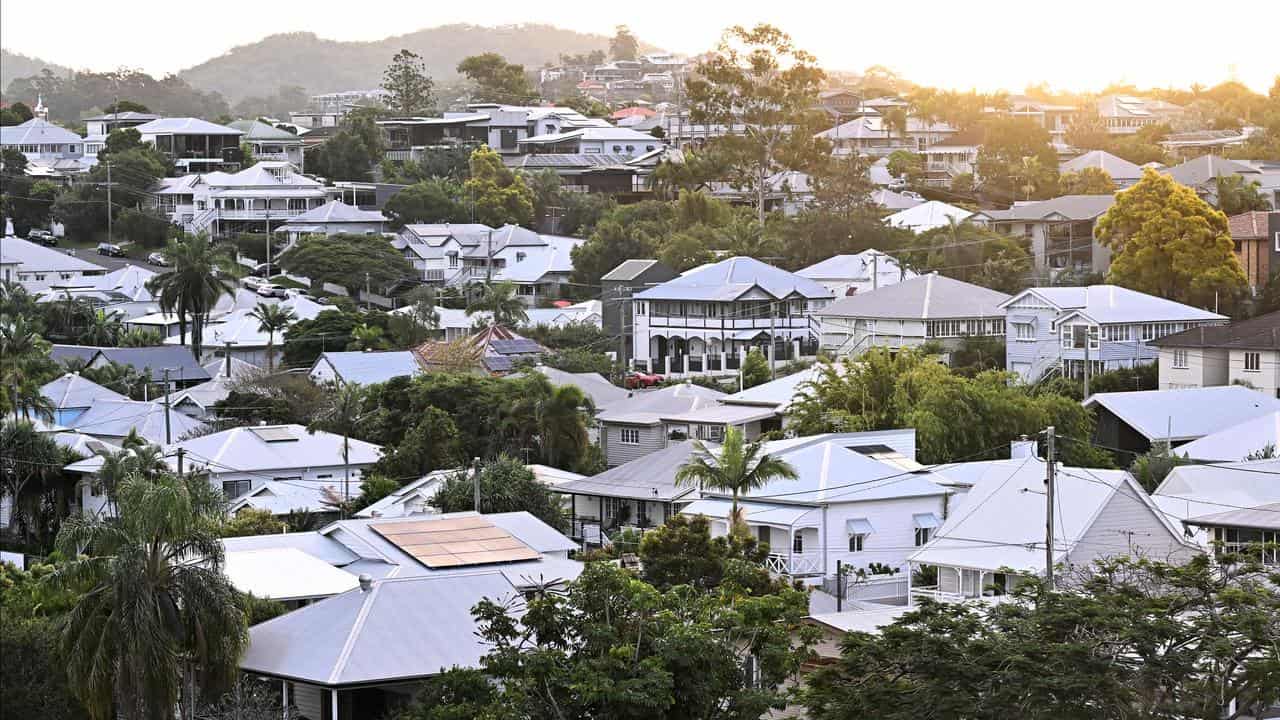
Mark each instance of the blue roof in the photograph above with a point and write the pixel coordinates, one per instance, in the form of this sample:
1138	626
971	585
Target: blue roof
368	368
729	279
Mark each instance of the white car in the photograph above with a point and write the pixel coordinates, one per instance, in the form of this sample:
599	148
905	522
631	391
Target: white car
270	290
253	283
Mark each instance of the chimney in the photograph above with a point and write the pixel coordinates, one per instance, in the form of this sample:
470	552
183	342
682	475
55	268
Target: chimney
366	582
1022	448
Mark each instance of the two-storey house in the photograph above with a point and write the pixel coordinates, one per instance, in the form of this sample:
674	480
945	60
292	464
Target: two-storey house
616	141
1060	232
872	135
194	145
1245	352
1122	172
98	127
268	142
617	287
258	199
707	319
1127	114
1106	326
1256	235
42	142
861	273
633	427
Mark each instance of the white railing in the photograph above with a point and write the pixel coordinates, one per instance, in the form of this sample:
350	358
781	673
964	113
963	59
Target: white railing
202	220
932	592
794	563
263	214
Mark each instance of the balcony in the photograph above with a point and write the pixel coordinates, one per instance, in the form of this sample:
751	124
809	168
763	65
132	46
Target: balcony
260	214
933	592
794	563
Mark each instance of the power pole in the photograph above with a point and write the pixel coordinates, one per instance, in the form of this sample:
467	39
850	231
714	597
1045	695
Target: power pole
366	292
268	276
475	479
109	241
773	343
488	266
181	452
1087	336
1049	471
839	585
168	437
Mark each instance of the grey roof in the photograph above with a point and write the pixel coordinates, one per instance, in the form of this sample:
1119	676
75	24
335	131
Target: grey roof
1065	207
1117	167
1115	304
601	392
115	418
1198	171
652	477
852	267
629	269
730	279
274	447
1258	333
37	131
184	126
648	408
781	393
73	391
62	353
258	130
39	258
1263	517
367	368
926	297
126	115
1185	414
336	211
400	629
177	359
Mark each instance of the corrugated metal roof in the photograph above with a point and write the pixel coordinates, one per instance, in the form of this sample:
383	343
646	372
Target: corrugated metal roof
115	418
927	216
367	368
729	279
927	297
601	392
37	131
1117	167
1236	442
1185	414
336	211
649	407
285	574
1115	304
37	258
1263	517
184	126
73	391
243	449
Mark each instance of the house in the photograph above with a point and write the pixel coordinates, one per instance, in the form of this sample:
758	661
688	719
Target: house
622	176
257	199
1244	352
1252	438
496	350
155	360
286	575
872	135
1181	145
363	368
1203	173
996	537
239	333
501	127
891	200
194	145
1247	531
927	216
42	142
412	498
1122	172
616	288
1134	422
1052	117
113	420
1127	114
36	267
560	314
332	655
1106	326
1256	235
71	395
633	427
98	127
622	142
1192	492
268	142
706	320
333	218
949	158
125	288
198	401
1061	232
851	274
910	313
598	390
244	458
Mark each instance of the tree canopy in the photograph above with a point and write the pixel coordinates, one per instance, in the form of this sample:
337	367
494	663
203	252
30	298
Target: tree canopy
506	485
408	87
346	260
493	79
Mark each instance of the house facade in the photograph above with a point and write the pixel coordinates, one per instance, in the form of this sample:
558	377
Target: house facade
871	135
634	427
268	142
1059	329
1061	233
707	319
617	287
861	273
37	268
194	145
41	141
258	199
1246	352
1256	235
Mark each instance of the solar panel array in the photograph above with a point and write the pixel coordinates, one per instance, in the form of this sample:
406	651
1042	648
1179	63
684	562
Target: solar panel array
515	346
455	542
273	434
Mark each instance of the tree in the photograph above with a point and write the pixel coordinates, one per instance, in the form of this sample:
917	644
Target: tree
499	299
432	443
494	80
738	468
758	80
33	481
352	152
407	85
16	114
1168	242
1128	638
1235	195
1089	181
104	328
145	228
755	369
561	414
624	45
1017	160
304	340
158	615
497	195
198	274
251	521
682	552
351	261
506	485
906	165
972	253
1088	131
340	414
271	320
26	365
429	201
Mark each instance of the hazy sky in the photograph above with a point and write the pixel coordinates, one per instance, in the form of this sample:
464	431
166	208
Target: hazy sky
987	44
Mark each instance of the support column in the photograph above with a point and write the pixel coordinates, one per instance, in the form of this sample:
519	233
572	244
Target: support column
334	713
706	367
666	359
284	700
724	360
795	350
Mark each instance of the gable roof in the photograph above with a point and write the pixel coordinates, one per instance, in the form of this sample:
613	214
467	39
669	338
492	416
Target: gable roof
184	126
928	215
649	407
594	385
854	267
631	269
1200	170
1263	517
1064	207
1250	225
781	393
1256	333
367	368
37	258
1115	304
1117	167
926	297
652	477
73	391
258	130
495	349
1185	414
37	131
285	574
1195	490
336	211
729	279
891	200
115	418
1236	442
177	359
273	447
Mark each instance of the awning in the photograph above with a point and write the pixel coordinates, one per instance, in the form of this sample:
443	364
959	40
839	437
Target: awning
858	526
749	334
754	513
926	520
1022	319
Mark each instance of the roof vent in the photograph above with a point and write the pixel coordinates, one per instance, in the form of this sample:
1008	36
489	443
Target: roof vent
366	582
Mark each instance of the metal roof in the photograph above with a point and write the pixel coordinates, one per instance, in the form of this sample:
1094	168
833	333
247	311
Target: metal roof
722	415
285	574
73	391
757	513
856	267
243	449
1263	517
367	368
1117	167
37	131
115	418
1235	442
601	392
927	297
311	543
1200	170
629	269
1185	414
177	359
1190	491
652	477
1114	304
336	211
649	407
927	216
258	130
729	279
1065	207
780	393
37	258
184	126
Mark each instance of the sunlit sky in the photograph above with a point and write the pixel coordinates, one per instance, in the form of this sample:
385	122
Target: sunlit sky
983	44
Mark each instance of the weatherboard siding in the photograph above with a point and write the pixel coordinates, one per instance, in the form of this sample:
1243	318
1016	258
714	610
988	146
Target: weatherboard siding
1127	526
893	533
652	439
1205	367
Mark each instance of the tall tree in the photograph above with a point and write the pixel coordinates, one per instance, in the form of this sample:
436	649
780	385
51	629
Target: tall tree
158	618
506	485
198	275
764	91
352	261
272	318
341	413
737	468
408	87
499	299
496	195
1017	160
493	79
1168	242
1089	181
623	45
1237	195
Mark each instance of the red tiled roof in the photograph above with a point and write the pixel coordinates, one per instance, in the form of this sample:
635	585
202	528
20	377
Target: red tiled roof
1250	225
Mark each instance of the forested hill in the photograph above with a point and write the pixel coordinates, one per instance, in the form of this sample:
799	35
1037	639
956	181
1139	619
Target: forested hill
16	65
319	65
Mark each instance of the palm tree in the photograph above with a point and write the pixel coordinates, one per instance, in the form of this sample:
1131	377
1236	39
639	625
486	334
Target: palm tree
738	468
560	414
366	337
192	285
155	612
272	319
136	459
104	328
502	303
340	414
25	364
138	337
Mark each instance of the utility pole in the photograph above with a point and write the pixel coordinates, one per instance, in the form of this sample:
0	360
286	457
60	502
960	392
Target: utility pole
875	271
181	452
1049	471
1087	333
488	266
839	585
168	436
773	343
227	365
109	240
268	275
475	479
366	291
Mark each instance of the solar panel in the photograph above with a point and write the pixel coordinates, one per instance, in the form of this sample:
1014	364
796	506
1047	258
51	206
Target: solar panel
455	542
498	364
515	346
273	434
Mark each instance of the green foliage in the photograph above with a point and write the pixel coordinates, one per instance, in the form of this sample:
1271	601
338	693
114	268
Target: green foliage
682	552
495	195
500	301
624	45
1152	467
372	489
430	444
26	365
29	203
408	87
506	485
906	165
251	521
428	201
1017	161
33	682
978	353
580	360
755	369
972	253
738	467
331	330
1236	196
352	152
34	482
493	79
1089	181
198	274
456	694
143	227
1168	242
346	260
72	96
574	335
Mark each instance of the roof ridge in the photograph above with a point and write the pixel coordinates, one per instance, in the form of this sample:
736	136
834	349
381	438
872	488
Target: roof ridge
345	655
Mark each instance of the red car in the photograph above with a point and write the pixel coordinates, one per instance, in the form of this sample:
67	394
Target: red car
641	380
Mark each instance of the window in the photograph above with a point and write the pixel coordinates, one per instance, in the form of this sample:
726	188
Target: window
629	436
855	542
797	543
922	535
235	488
1024	332
520	257
1117	333
1252	362
1180	357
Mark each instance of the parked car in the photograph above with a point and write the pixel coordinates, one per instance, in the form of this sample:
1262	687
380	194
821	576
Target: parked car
641	380
252	283
271	290
44	237
159	259
110	250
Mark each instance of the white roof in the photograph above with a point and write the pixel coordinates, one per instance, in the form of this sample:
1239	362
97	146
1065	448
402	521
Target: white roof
867	621
648	408
38	258
927	216
285	574
927	297
397	503
601	392
1117	167
240	328
855	267
1196	490
1115	304
73	391
115	418
781	393
889	199
336	211
828	471
729	279
1185	414
273	447
37	131
1237	442
184	126
281	497
367	368
757	513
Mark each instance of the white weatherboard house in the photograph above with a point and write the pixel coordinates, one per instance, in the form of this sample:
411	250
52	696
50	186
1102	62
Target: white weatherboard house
633	427
333	218
1195	492
256	199
851	274
927	216
37	268
194	145
1057	328
707	319
1060	231
996	535
42	142
931	307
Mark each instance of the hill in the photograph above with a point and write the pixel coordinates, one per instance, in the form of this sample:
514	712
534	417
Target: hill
319	65
16	65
